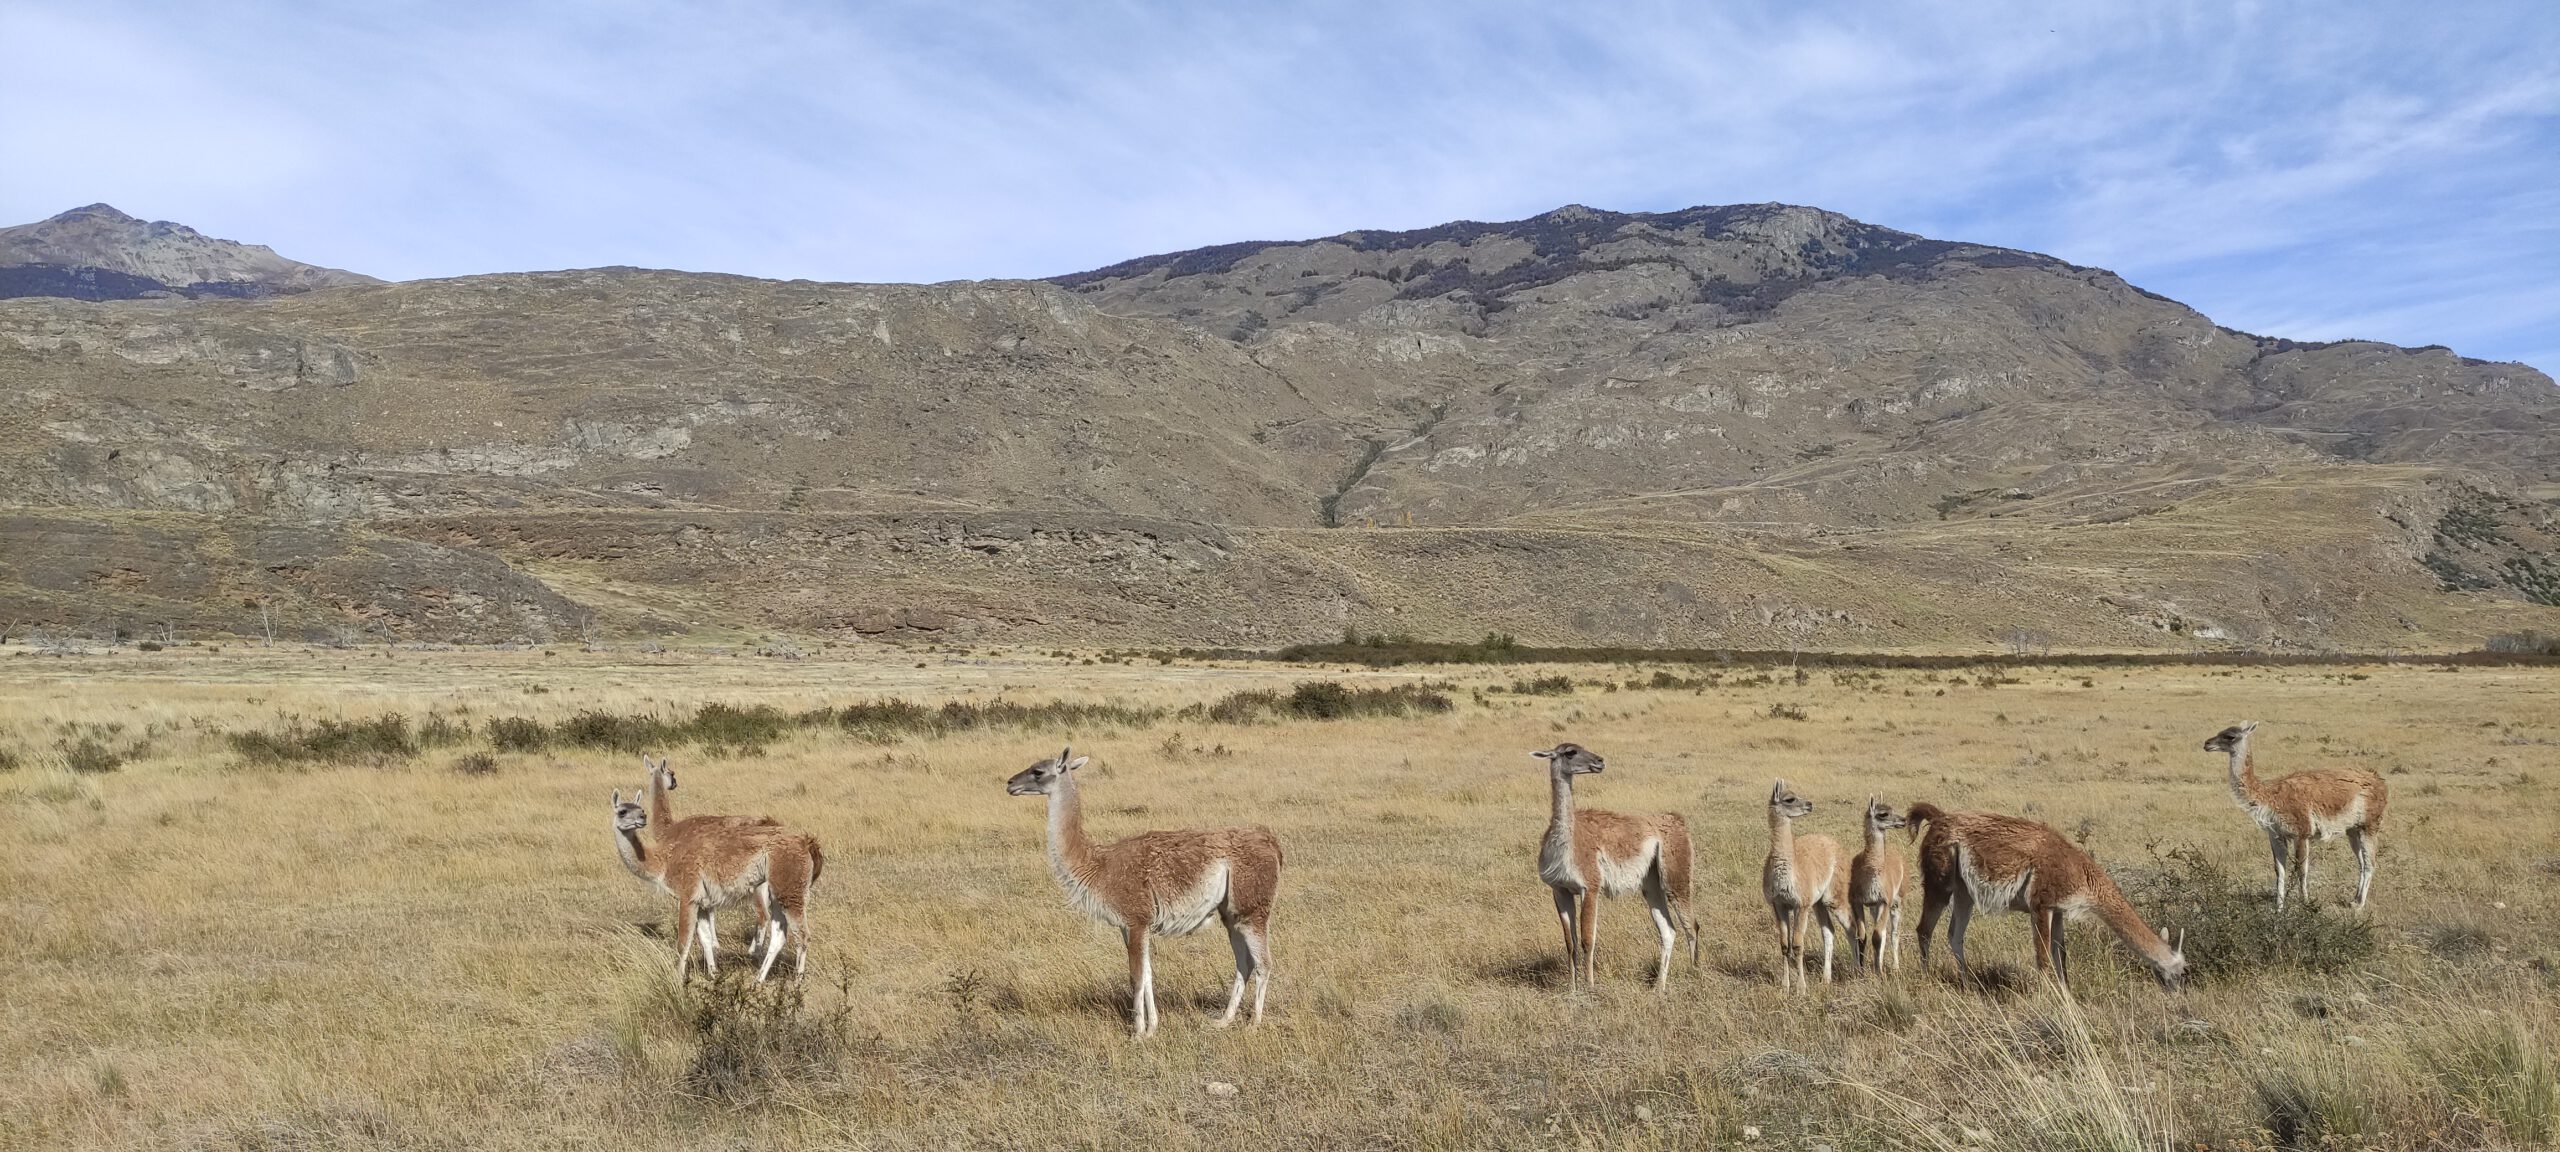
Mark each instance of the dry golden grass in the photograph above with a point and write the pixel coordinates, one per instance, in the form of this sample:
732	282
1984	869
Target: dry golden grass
203	954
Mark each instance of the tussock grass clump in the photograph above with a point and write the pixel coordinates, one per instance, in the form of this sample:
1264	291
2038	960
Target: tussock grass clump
2232	926
2314	1103
2507	1076
476	764
374	740
2046	1083
9	761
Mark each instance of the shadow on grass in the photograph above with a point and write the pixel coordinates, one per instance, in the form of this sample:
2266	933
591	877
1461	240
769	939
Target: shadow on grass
1542	970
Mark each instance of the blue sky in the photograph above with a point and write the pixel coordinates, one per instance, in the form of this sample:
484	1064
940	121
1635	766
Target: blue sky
2315	170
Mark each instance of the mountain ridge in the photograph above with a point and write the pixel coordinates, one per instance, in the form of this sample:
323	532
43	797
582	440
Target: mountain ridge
96	252
1717	424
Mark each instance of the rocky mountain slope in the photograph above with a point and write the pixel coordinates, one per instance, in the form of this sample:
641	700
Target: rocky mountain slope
1724	426
98	253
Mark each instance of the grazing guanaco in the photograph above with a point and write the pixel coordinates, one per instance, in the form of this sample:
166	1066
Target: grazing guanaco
1877	877
1803	879
2313	804
710	867
2007	864
1164	883
1591	853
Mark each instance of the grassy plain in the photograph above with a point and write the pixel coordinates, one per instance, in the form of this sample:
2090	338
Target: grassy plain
200	952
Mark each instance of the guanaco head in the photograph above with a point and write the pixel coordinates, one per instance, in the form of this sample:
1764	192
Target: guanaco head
2173	971
665	776
1784	801
1040	778
628	815
1570	759
2231	738
1881	817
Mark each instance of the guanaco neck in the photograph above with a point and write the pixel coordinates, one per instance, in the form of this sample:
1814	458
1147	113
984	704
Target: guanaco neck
1873	847
1560	816
1070	854
1782	838
635	854
662	813
2109	903
2244	775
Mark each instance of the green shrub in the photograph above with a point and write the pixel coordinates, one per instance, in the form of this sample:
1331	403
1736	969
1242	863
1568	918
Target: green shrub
517	734
2232	926
1323	700
91	755
1543	686
377	740
753	1040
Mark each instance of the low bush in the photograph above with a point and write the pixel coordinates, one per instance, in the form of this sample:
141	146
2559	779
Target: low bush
1543	686
89	755
476	764
2232	926
377	740
752	1041
887	719
1323	700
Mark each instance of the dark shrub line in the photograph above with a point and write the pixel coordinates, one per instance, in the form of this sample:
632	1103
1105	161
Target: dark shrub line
1392	651
748	730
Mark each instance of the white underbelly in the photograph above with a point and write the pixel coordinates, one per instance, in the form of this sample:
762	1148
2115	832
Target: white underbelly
2335	825
1622	875
1182	913
2000	894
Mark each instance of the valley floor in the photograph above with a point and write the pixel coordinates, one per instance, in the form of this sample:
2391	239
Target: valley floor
385	951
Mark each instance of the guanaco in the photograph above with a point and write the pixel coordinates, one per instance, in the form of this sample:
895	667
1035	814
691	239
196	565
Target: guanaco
1165	883
2313	804
1804	879
1591	853
2008	864
1876	880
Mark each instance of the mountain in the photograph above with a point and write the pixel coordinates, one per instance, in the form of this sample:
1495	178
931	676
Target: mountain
1727	426
98	253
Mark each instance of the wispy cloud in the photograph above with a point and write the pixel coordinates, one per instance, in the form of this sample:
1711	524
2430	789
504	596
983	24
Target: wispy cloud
2298	168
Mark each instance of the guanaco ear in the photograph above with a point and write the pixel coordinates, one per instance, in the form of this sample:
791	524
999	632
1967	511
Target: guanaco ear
2180	947
617	797
1777	788
1076	763
1544	754
2248	726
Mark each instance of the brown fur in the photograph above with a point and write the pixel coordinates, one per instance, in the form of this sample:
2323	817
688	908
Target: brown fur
662	821
1584	849
2313	804
1804	879
710	863
1158	884
1877	877
2039	872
